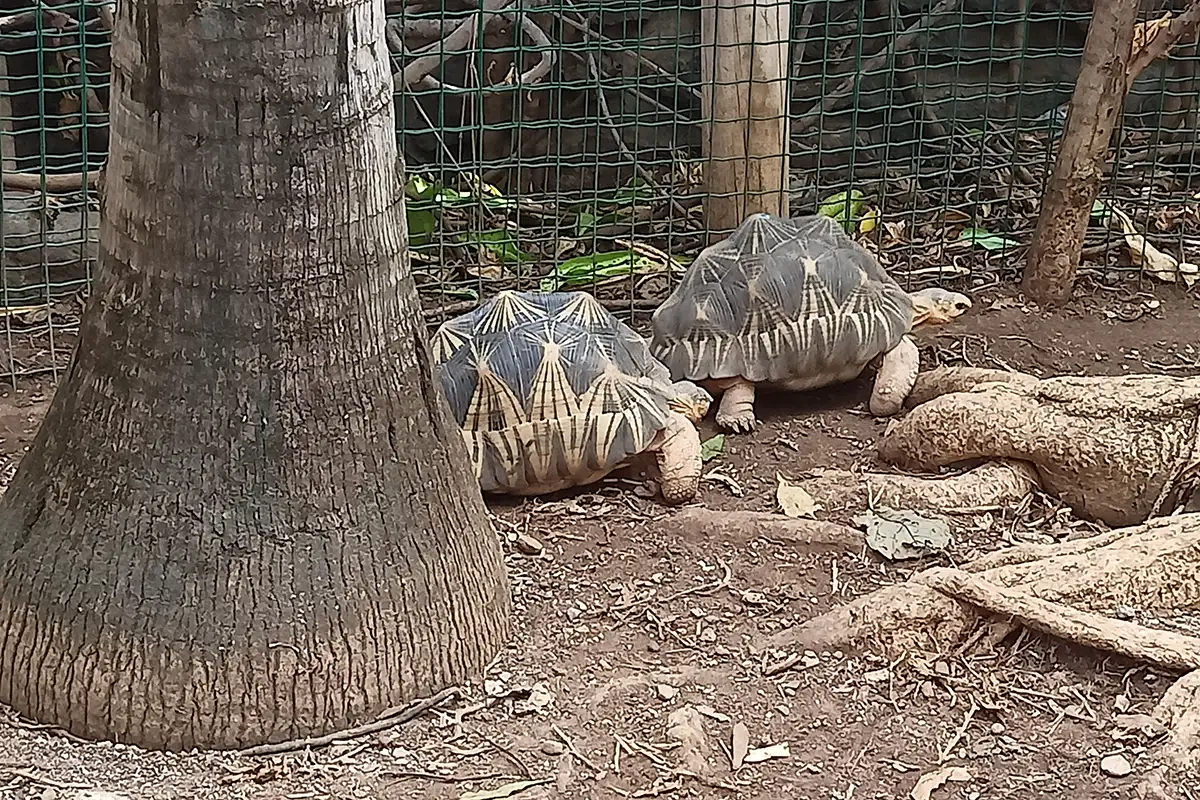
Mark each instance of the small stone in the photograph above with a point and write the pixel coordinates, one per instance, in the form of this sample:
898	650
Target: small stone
666	692
997	728
1116	765
573	613
708	635
552	748
528	545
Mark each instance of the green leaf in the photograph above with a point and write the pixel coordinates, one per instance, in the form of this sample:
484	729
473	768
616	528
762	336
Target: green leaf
597	267
499	243
1100	210
421	224
604	211
986	239
585	223
461	292
844	207
712	448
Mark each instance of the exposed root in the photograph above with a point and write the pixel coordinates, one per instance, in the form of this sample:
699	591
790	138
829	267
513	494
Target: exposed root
996	483
811	534
1179	713
1116	449
1165	649
1069	591
946	380
905	617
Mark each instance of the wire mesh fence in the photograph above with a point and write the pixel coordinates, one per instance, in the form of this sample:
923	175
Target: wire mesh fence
558	144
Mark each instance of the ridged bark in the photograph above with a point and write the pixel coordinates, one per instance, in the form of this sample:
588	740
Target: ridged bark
248	515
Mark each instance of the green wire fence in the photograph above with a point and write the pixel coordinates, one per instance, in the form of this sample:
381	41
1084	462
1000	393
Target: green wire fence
559	144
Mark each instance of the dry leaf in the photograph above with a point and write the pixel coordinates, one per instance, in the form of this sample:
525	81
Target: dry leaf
1152	260
1146	32
741	745
763	753
933	780
507	790
794	501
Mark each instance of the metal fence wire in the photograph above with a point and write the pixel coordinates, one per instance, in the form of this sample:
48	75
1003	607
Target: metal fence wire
559	144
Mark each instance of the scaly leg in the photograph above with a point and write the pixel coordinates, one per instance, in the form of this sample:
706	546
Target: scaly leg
679	461
895	378
736	411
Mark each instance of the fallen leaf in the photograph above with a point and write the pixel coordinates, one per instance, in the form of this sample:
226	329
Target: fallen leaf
794	501
1163	266
741	745
902	535
933	780
507	790
764	753
712	713
711	448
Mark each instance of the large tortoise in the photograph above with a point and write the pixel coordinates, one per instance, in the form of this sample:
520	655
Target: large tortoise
553	391
797	304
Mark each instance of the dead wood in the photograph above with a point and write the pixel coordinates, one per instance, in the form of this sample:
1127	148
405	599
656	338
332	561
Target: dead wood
996	483
1162	39
945	380
1116	449
1165	649
1179	712
745	525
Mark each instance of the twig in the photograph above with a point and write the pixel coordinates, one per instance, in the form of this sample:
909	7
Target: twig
25	181
431	776
510	755
616	134
18	772
944	753
833	99
573	750
388	719
1184	25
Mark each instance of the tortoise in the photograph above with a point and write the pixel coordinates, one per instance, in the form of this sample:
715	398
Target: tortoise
796	304
553	391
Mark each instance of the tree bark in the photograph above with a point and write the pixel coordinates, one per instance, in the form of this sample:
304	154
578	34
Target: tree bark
248	515
1099	96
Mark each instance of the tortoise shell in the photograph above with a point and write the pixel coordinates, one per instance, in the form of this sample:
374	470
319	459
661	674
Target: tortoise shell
550	389
780	300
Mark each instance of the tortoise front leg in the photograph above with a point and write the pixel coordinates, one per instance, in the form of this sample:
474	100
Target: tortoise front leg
736	411
895	378
679	461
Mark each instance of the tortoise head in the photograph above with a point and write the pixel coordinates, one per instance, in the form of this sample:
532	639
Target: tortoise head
937	306
690	400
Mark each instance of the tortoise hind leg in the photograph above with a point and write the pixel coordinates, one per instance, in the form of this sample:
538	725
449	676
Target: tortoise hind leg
895	378
736	411
679	461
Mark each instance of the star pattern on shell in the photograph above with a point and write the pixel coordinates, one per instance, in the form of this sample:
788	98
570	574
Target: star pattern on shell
780	298
549	388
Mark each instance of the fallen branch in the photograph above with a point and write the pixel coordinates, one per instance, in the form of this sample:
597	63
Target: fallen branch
23	181
811	534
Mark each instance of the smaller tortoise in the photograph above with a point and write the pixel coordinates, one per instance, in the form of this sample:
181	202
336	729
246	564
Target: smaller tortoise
795	304
553	391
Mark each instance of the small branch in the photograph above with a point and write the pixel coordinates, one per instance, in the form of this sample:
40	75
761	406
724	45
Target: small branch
834	99
388	719
25	181
1179	28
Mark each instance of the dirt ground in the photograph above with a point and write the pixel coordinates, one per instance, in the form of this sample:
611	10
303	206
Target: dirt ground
625	621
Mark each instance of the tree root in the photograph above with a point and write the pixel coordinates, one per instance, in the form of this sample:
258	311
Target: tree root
1069	591
1118	450
996	483
947	380
810	534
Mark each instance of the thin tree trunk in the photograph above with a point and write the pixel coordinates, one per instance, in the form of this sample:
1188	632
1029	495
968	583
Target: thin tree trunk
1096	104
248	515
1108	69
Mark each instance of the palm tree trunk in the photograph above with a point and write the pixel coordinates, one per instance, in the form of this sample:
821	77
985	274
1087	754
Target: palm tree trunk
248	515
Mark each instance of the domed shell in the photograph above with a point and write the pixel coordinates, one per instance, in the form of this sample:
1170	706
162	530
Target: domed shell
780	299
550	389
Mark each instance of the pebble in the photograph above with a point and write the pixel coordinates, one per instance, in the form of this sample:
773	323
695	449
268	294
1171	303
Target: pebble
997	728
666	692
528	545
553	748
1116	765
